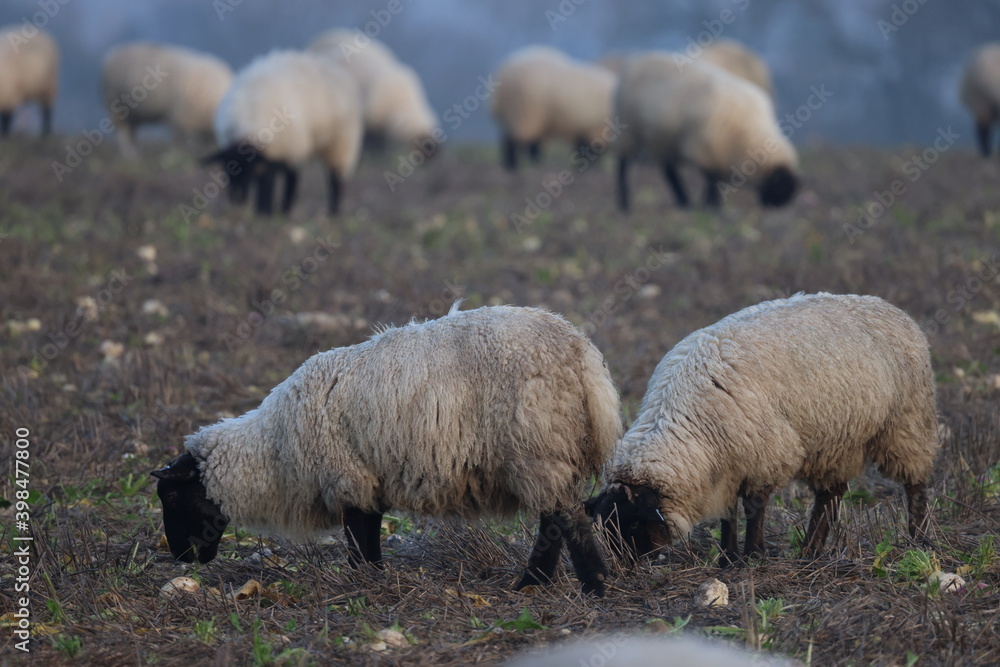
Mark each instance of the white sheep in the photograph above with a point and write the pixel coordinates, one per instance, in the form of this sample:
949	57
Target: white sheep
980	92
737	59
811	387
282	109
395	104
29	72
701	115
483	412
147	83
542	94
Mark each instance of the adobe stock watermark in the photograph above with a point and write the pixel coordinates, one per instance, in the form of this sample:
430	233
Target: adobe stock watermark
898	17
248	149
121	107
962	294
914	168
624	289
562	12
580	159
291	281
714	28
455	116
47	10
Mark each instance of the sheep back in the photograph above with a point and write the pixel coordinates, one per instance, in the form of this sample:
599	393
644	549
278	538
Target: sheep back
980	87
740	61
29	68
479	412
809	387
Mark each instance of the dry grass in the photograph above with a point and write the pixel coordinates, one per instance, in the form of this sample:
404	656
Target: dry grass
98	427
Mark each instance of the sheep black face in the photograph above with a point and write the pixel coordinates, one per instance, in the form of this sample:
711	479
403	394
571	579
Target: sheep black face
191	520
778	187
632	517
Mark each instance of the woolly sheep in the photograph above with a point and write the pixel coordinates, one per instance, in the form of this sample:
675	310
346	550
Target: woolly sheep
811	387
980	92
282	109
740	61
146	83
542	94
701	115
623	650
395	104
29	72
480	412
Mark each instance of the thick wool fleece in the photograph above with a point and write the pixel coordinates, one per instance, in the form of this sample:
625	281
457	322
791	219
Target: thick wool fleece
290	106
740	61
811	387
479	412
699	114
980	87
29	68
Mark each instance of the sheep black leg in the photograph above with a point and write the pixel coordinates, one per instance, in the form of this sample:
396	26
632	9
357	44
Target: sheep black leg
508	149
713	199
265	190
754	506
291	186
545	554
728	546
356	528
824	511
623	184
334	185
916	505
5	118
674	181
583	551
46	120
373	538
983	135
535	151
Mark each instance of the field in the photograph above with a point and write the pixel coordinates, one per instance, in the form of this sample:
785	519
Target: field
160	308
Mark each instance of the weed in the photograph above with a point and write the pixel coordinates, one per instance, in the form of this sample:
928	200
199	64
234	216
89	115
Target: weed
68	645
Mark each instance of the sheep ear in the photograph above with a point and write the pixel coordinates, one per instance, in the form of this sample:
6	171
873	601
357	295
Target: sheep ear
184	467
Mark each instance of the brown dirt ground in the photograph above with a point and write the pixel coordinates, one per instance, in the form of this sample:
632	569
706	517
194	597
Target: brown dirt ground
97	427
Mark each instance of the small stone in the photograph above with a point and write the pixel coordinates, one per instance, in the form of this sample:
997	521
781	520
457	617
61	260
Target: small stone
649	291
87	309
531	244
154	307
146	253
712	593
393	638
179	585
112	350
153	339
948	582
297	234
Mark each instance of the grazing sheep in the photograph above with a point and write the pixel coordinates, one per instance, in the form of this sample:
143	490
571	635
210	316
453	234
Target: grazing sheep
623	650
29	72
811	387
736	59
704	116
282	109
395	104
980	92
542	94
146	83
479	412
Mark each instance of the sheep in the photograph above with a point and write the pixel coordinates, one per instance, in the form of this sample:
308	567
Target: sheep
810	387
282	109
29	72
704	116
146	83
740	61
980	92
625	650
395	104
480	412
542	94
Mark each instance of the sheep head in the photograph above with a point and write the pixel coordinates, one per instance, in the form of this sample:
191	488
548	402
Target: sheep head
192	521
631	515
778	187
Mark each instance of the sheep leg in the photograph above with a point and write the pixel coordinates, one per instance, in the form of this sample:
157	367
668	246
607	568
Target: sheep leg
674	181
754	506
358	527
535	151
291	185
916	503
824	511
334	186
46	120
374	538
728	546
583	551
623	184
265	190
713	199
983	135
5	118
508	148
545	554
